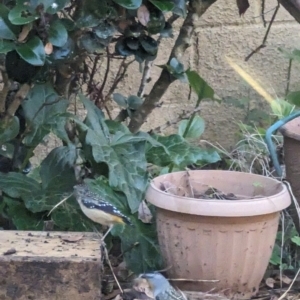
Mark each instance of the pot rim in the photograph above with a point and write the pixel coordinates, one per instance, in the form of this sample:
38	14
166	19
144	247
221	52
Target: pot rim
214	207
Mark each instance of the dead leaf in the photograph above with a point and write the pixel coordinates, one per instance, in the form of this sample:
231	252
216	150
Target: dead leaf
144	213
48	48
24	33
168	187
270	282
242	5
143	15
286	279
10	251
72	238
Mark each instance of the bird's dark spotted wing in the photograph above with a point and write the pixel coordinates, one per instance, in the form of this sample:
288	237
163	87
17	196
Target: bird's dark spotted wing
104	206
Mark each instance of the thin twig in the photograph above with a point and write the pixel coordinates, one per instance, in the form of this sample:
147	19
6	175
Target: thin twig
263	44
263	12
185	115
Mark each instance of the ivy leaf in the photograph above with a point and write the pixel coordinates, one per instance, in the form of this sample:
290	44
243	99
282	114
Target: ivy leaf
17	185
196	129
163	5
6	46
33	51
179	152
95	118
41	107
129	4
57	170
200	87
69	217
7	30
9	130
57	34
296	240
21	217
127	166
144	254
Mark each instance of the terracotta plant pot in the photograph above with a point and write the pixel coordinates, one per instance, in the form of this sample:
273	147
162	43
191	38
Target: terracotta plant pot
291	148
226	240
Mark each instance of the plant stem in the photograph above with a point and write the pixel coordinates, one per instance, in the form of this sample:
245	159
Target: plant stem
288	78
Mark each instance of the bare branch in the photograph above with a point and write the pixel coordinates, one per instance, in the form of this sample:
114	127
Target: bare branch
183	116
263	44
5	90
145	78
19	97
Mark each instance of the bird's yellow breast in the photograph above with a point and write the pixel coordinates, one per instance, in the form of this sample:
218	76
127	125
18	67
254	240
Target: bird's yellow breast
101	217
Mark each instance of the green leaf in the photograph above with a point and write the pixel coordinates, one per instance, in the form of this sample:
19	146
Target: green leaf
120	100
22	14
17	185
57	170
276	254
180	152
33	51
163	5
6	46
41	108
21	217
57	34
196	129
95	118
281	108
140	247
134	102
200	87
9	130
127	165
294	98
296	240
7	30
129	4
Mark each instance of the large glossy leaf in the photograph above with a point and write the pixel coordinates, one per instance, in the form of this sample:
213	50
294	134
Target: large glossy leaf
129	4
8	130
180	152
7	30
6	46
163	5
22	13
199	86
41	107
33	51
57	34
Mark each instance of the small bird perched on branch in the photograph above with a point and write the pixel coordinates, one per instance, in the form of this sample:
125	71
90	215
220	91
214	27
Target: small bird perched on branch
156	285
98	210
